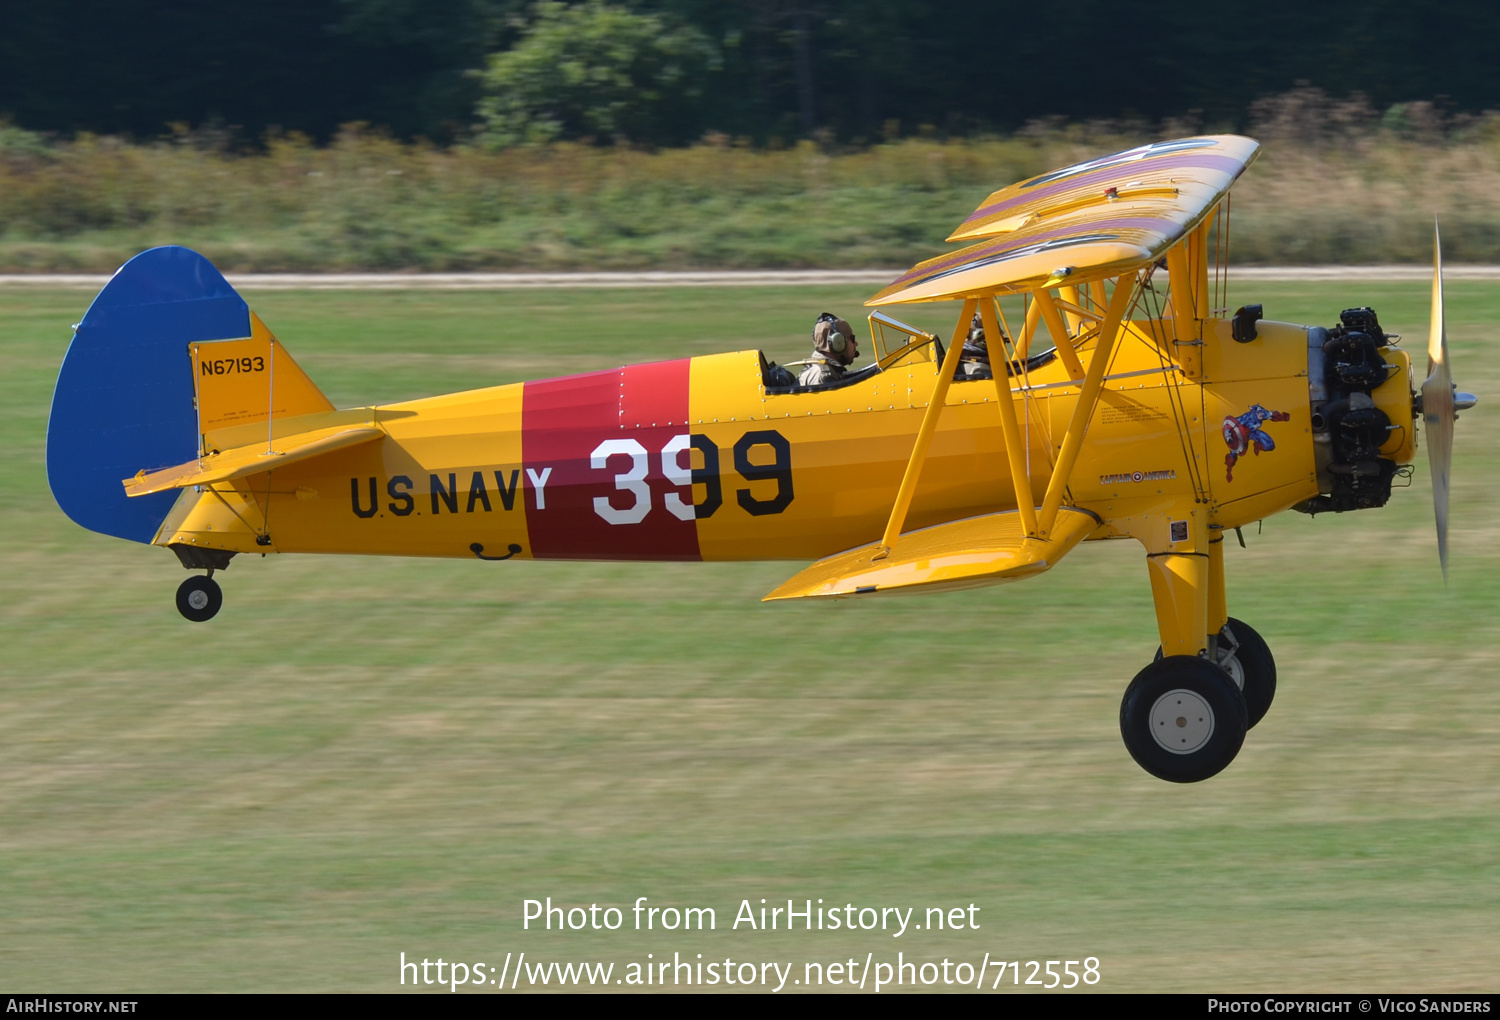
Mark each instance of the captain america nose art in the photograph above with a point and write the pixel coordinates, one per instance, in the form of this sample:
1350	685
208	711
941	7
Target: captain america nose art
1243	434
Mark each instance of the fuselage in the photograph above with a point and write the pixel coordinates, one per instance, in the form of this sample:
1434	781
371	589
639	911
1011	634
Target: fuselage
698	459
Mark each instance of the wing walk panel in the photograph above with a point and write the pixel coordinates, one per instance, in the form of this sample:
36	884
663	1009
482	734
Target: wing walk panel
971	553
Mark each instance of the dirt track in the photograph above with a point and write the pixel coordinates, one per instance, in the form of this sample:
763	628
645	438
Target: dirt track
748	278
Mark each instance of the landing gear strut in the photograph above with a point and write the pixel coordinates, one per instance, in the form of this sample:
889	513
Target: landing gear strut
1244	655
199	598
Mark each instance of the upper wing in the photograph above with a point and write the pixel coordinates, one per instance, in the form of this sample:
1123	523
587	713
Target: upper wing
991	549
1084	222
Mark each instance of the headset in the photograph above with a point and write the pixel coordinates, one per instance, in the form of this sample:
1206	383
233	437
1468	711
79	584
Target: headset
837	341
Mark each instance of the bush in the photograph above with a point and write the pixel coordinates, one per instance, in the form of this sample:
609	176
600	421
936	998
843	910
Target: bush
1329	187
595	71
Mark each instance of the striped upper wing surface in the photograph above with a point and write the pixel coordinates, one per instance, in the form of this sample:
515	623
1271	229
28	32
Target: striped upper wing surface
1095	219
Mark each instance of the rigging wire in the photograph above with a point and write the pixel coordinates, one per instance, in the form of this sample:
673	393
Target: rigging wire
258	532
1173	384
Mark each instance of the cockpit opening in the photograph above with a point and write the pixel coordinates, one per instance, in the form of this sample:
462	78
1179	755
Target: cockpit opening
896	343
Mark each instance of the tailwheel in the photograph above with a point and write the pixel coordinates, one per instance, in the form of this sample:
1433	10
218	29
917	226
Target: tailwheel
1183	719
199	598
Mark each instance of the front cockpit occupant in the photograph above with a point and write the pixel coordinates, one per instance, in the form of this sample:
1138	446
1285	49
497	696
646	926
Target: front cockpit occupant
834	350
974	360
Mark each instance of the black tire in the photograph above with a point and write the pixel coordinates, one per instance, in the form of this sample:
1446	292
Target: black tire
1248	661
199	598
1257	669
1183	719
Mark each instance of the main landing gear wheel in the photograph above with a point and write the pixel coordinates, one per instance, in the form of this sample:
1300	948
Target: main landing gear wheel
199	598
1244	655
1183	719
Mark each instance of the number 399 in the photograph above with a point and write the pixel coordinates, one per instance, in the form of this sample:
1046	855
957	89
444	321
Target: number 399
633	480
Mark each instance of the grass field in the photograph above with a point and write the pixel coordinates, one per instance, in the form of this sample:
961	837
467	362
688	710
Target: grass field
362	757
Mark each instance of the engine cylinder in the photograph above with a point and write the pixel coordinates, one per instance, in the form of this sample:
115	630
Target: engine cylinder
1355	442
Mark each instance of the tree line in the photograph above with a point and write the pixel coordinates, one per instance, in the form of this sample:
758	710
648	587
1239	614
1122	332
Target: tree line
667	72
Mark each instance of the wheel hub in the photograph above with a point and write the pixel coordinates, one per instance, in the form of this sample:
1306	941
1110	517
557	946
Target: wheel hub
1230	663
1181	721
198	599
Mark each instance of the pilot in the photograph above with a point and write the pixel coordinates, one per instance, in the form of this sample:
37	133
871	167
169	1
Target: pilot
974	360
834	350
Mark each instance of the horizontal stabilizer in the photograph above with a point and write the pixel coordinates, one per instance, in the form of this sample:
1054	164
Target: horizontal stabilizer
971	553
250	460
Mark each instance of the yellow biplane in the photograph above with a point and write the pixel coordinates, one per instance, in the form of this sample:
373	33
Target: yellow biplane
1121	403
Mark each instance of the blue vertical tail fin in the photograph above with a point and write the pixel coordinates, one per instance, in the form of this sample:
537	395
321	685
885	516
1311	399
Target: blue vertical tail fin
124	396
